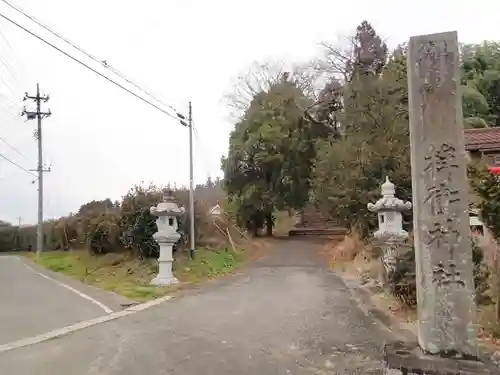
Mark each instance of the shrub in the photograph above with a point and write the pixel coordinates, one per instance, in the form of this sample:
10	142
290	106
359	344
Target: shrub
141	226
106	226
481	275
97	240
402	281
102	232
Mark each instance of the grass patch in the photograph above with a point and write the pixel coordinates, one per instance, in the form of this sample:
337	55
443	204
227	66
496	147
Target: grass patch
118	273
208	264
130	276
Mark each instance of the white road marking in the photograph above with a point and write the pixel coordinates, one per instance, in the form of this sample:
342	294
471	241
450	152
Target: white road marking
106	309
81	325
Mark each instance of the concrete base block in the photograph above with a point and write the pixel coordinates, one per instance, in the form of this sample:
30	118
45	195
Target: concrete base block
165	280
408	359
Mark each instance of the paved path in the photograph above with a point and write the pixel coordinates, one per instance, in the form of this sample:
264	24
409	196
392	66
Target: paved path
287	314
31	304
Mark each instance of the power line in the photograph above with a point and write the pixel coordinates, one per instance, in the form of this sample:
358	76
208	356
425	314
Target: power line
5	84
13	148
88	67
101	62
17	165
8	68
8	104
13	52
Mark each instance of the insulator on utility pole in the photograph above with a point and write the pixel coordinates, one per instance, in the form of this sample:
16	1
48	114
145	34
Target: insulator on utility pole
39	115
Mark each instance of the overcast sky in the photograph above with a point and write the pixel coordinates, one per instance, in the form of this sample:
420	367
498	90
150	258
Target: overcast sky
100	140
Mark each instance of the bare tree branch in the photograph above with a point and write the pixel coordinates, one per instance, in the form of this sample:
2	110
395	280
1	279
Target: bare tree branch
260	76
309	117
337	59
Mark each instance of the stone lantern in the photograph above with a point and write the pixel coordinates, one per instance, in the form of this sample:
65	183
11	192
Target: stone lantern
167	213
390	222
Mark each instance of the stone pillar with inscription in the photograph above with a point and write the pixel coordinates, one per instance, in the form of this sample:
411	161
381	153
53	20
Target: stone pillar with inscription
444	267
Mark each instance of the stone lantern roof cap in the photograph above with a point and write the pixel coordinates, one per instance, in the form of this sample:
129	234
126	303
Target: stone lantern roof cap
389	202
388	188
168	206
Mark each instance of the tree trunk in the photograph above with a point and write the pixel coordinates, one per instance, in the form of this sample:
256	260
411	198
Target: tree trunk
269	225
255	230
66	244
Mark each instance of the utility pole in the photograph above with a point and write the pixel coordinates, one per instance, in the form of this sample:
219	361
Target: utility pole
189	124
39	115
191	183
19	218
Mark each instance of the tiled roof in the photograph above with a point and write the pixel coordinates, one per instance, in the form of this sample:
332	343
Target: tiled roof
481	139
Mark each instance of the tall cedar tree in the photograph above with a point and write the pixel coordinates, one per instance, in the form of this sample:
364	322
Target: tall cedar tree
348	172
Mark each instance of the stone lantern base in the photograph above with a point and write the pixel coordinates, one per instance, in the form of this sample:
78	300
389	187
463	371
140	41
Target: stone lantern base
165	275
408	359
165	280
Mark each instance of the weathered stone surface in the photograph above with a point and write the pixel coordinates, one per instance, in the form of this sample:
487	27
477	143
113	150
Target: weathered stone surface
390	224
166	236
446	307
409	359
390	220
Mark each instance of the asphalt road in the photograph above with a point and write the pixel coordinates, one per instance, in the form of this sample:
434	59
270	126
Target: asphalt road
31	304
287	314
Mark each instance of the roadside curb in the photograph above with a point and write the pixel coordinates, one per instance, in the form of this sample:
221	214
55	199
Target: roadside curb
389	322
362	297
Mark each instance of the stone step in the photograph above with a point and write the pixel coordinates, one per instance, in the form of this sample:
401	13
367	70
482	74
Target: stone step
337	231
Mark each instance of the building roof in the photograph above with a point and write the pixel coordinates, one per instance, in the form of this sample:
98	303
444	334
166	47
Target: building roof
216	210
474	221
482	139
